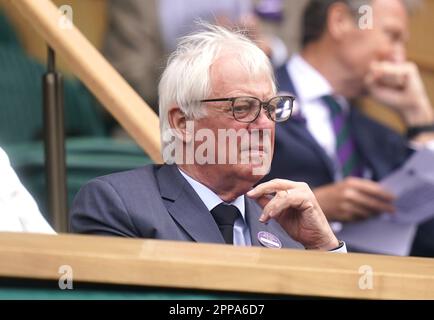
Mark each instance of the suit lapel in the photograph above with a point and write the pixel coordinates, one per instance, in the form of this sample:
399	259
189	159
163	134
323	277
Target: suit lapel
300	131
380	149
185	206
253	212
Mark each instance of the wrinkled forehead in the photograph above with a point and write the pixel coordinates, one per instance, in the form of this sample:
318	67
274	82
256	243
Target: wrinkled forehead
231	69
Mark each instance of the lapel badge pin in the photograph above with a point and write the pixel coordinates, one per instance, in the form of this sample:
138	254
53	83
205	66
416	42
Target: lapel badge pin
269	240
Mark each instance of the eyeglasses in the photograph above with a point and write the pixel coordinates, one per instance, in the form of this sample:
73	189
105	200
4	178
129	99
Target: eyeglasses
247	109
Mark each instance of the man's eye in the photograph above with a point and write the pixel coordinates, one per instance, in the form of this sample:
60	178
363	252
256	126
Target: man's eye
242	108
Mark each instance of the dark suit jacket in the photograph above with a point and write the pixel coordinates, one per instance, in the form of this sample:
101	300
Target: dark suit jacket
299	157
156	202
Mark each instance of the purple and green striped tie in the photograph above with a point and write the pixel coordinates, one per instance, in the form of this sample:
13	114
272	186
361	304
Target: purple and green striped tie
346	151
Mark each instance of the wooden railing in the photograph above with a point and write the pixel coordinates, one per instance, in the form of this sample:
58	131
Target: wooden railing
211	267
99	76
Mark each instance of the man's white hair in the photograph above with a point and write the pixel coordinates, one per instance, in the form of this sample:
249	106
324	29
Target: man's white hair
186	79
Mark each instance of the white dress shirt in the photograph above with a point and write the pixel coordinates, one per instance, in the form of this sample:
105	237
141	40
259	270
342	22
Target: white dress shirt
18	210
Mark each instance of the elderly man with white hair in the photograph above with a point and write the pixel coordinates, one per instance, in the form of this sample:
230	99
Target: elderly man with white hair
217	93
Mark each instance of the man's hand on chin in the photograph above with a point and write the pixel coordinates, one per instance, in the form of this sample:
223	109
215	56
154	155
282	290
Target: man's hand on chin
400	87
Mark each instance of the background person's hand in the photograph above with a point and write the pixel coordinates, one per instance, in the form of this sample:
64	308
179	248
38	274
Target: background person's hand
400	87
353	199
295	208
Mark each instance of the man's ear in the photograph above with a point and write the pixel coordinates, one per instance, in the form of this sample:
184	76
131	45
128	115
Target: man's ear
178	123
340	21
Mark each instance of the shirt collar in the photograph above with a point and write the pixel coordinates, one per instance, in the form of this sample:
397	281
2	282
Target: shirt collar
209	198
309	84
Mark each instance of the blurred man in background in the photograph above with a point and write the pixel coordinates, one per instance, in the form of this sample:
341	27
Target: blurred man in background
329	144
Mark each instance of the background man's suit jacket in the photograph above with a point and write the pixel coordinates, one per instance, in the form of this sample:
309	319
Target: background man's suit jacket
156	202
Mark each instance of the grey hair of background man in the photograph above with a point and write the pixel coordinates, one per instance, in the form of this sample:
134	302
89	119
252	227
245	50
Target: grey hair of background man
316	12
186	79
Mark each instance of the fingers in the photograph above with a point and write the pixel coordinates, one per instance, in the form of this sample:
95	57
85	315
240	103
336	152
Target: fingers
264	200
390	74
353	212
272	196
354	199
364	198
339	202
369	188
369	202
273	186
284	200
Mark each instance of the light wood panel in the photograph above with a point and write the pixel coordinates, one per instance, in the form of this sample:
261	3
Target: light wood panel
421	30
213	267
421	46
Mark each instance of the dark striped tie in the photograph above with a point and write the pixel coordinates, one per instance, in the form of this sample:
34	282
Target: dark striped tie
346	151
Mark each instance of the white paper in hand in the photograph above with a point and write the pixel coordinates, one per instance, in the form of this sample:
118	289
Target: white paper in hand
413	186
